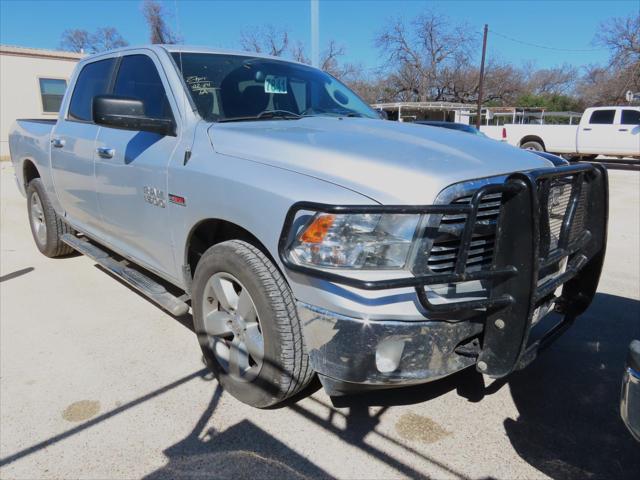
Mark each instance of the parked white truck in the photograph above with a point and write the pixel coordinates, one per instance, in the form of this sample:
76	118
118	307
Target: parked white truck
611	131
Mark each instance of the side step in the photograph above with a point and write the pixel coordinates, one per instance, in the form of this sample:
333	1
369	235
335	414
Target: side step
138	280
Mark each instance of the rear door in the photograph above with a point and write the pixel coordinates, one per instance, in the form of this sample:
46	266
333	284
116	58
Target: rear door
596	134
628	131
73	147
131	169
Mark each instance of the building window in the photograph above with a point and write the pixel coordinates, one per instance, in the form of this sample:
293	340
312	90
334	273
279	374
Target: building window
52	91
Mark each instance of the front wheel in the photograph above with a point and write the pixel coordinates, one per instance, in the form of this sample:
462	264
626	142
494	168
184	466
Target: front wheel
247	325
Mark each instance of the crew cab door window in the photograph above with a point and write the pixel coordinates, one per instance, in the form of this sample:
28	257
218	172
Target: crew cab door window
93	80
602	117
630	117
138	78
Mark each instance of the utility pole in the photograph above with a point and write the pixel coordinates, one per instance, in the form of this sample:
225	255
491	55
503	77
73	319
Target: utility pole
481	84
315	33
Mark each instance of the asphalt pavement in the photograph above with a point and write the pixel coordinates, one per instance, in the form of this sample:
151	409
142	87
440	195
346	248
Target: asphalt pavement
96	382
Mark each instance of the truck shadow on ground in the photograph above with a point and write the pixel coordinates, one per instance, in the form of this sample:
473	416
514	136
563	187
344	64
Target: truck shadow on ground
568	400
568	424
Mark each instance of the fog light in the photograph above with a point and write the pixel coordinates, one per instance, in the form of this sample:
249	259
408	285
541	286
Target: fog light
388	355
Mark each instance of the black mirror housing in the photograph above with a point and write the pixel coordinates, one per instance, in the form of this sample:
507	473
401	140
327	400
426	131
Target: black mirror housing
128	113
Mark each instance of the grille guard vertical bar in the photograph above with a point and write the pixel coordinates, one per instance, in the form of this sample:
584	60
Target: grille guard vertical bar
506	349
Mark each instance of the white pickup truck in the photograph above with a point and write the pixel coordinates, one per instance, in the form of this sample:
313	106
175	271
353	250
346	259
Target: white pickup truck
612	131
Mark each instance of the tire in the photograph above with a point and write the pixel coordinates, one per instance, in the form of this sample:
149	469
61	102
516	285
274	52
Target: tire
588	158
284	369
47	227
532	145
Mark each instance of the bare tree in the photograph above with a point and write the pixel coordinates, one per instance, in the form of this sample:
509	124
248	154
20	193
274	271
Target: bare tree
277	42
425	52
550	81
330	62
159	31
299	54
622	37
269	40
607	85
373	88
104	38
107	38
604	86
75	40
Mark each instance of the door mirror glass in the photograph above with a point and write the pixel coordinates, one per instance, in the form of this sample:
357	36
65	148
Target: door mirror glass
128	113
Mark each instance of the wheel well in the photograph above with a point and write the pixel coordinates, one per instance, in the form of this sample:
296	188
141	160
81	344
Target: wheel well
29	172
532	138
213	231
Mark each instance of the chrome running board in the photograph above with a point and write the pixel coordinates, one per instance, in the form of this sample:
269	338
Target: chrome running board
138	280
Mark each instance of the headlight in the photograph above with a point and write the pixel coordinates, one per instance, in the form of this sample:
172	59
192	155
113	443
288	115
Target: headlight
355	241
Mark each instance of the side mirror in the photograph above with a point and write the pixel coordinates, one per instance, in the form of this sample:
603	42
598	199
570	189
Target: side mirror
128	114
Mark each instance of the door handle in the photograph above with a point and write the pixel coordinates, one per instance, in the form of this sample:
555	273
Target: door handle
105	152
586	129
623	129
57	142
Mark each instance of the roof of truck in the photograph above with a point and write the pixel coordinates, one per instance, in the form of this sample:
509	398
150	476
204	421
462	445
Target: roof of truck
171	48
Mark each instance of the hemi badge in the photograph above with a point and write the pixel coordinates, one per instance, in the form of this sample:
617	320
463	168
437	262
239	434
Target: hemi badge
178	200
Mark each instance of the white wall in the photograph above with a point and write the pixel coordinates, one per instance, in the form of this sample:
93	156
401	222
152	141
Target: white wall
20	90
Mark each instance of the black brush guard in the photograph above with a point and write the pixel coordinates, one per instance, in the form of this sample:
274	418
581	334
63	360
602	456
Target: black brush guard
515	292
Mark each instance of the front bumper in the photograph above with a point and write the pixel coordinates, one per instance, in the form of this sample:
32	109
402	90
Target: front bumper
375	353
492	332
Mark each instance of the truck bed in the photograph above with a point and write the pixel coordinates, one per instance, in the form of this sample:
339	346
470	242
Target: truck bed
556	138
30	139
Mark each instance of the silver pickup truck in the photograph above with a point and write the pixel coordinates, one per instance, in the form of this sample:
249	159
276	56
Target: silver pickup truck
305	234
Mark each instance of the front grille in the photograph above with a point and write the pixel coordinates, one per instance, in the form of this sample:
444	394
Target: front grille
554	197
444	251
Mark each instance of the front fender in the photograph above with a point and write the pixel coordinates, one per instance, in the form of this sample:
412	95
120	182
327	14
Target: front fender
251	195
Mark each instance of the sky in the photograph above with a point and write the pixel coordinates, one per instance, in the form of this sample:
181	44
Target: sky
518	30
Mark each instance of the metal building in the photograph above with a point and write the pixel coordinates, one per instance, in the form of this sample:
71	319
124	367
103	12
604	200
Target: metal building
32	83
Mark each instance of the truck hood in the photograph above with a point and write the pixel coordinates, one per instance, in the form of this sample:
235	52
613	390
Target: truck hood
389	162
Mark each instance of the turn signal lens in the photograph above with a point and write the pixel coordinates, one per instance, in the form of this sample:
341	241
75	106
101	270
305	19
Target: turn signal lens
318	229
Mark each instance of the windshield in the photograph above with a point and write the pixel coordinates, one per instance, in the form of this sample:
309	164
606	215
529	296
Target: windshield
235	87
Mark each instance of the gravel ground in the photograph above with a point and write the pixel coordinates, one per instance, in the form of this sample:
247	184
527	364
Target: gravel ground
96	382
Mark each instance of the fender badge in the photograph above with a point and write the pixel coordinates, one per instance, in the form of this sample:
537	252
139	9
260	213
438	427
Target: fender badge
178	200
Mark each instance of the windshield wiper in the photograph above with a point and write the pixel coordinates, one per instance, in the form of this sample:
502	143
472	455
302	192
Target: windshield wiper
314	112
266	115
279	114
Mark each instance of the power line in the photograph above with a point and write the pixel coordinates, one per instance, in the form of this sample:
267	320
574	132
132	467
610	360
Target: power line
545	47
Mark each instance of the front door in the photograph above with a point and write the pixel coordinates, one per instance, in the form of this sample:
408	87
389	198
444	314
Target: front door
131	172
596	136
628	131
